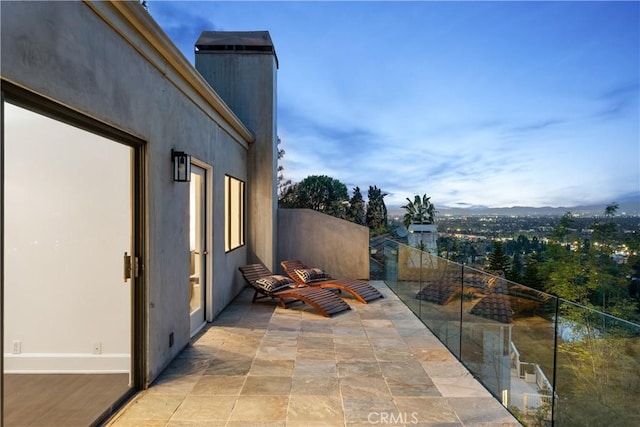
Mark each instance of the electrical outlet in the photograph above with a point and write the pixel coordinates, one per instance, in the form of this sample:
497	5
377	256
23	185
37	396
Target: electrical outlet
97	347
17	347
171	340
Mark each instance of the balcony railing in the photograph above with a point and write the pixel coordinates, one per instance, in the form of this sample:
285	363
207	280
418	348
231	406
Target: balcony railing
549	361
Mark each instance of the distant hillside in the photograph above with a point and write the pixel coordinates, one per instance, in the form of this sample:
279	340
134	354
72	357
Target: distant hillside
629	205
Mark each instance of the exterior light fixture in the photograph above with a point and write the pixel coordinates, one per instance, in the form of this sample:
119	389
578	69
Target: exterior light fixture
181	166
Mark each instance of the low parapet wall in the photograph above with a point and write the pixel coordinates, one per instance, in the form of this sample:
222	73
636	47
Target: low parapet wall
337	246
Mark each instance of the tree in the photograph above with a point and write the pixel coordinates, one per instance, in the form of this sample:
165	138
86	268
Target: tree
419	211
356	209
604	232
530	277
318	192
562	229
376	216
513	273
498	260
524	246
283	183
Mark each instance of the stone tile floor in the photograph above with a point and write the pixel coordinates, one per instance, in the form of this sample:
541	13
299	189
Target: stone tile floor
261	365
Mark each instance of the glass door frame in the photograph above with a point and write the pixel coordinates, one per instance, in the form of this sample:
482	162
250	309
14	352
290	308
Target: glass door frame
34	102
207	206
198	274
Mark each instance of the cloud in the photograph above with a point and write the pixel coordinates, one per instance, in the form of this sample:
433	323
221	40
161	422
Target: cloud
618	101
537	125
182	24
478	106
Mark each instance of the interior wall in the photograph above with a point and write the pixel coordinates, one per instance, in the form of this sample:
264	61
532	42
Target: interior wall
67	226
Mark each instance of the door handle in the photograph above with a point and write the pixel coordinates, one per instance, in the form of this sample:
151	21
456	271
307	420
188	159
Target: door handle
131	266
127	267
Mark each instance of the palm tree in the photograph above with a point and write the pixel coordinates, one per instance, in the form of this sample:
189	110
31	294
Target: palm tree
419	211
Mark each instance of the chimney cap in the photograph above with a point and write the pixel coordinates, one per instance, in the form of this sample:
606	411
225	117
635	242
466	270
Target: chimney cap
236	41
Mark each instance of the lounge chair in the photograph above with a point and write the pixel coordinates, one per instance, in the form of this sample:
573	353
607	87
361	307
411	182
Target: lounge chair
268	285
314	277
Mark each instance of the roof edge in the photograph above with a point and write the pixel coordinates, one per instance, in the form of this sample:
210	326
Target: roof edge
133	23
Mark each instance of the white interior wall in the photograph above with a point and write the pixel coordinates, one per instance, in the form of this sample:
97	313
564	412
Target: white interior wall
67	226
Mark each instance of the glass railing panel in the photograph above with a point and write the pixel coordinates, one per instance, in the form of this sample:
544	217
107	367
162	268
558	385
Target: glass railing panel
531	355
439	295
425	282
550	362
508	341
410	275
598	369
389	260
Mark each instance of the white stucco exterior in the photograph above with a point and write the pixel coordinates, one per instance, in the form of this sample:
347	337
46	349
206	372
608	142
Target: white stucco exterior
426	234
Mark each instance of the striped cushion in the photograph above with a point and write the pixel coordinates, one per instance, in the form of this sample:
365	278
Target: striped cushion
274	283
309	275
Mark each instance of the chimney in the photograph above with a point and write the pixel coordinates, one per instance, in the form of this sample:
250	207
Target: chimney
241	66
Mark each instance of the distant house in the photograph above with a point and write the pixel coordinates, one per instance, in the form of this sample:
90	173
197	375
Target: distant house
423	235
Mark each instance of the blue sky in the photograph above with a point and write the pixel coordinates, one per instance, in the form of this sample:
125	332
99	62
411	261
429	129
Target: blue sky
474	103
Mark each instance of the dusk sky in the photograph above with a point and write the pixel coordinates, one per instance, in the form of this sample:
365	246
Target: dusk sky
473	103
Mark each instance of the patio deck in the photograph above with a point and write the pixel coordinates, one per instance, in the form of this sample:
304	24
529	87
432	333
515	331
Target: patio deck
261	365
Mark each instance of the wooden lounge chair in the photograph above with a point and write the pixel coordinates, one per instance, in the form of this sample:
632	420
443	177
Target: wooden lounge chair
326	302
361	290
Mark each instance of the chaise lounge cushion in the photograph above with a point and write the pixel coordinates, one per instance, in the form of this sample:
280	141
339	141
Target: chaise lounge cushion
309	275
274	283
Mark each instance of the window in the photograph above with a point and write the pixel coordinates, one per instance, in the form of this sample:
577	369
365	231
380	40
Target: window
234	213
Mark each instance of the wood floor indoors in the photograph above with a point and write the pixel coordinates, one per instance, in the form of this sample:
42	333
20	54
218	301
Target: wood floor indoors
59	399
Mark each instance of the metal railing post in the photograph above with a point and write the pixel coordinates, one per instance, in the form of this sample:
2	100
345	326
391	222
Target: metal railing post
461	308
555	363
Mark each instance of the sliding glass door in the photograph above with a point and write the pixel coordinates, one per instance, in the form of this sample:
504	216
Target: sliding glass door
67	302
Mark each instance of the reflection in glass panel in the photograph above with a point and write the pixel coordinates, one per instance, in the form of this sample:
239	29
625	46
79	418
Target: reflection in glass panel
441	283
67	313
507	342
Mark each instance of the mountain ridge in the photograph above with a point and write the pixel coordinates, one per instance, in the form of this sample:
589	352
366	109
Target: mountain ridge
628	205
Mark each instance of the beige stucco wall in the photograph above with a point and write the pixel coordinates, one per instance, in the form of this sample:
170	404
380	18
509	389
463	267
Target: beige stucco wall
111	62
337	246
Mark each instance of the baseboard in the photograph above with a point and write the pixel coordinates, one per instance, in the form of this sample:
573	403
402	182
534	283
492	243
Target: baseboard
66	363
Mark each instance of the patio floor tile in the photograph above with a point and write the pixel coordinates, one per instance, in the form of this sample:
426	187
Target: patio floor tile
363	387
260	408
205	408
222	385
315	386
315	408
267	385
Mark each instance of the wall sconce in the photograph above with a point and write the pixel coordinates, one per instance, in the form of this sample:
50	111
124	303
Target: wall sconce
181	166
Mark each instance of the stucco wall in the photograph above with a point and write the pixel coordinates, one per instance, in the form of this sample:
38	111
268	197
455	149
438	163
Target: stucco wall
67	52
247	83
339	247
